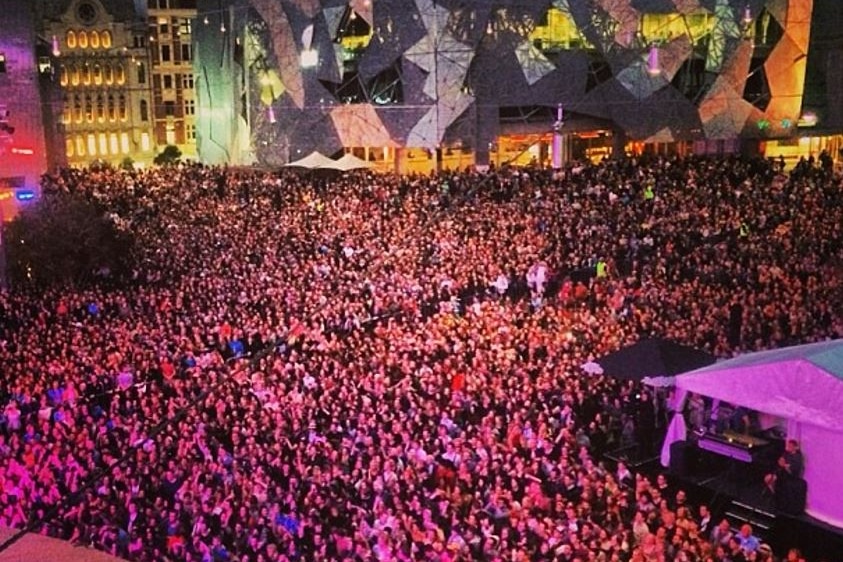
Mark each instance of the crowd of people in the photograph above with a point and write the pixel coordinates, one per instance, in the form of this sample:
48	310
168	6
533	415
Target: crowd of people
374	367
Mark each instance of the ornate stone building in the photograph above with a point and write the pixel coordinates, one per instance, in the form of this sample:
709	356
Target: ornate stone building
104	71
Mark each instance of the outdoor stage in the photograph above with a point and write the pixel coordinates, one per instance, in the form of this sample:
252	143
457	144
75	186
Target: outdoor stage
735	491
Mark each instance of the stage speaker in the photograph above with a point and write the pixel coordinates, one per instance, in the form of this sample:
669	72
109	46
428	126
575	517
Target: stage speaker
682	457
790	495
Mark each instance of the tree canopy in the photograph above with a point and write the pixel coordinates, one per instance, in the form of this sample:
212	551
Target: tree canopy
64	239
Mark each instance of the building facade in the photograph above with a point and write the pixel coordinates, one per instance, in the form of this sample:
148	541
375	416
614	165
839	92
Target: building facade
104	72
173	84
424	78
26	106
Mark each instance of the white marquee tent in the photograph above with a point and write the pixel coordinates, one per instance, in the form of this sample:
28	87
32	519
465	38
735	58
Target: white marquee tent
802	385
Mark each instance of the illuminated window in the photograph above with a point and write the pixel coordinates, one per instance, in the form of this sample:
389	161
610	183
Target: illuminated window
190	131
108	74
103	143
63	78
89	109
171	134
100	109
122	108
105	39
69	148
112	109
97	75
78	113
124	143
86	74
80	145
114	144
557	31
92	144
667	26
70	39
74	75
120	75
95	40
83	40
145	145
354	34
66	111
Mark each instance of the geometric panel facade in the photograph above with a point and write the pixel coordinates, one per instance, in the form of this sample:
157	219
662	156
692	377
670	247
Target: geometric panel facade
424	72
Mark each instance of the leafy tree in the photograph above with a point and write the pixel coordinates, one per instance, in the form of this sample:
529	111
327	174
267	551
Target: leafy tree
169	156
64	239
127	163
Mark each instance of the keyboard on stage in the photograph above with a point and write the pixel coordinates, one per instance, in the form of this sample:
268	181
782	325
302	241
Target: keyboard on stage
737	446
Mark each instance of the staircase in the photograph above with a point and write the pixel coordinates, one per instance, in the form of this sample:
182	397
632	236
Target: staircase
761	520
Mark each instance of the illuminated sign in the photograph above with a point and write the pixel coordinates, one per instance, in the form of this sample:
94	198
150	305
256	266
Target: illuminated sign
23	151
25	195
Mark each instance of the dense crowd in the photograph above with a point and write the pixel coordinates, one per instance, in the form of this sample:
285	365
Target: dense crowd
372	367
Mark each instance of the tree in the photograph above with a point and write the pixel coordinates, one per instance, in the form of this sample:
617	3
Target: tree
64	239
169	156
127	164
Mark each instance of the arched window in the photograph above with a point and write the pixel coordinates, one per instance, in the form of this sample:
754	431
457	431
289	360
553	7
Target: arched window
86	74
80	145
97	75
95	40
74	75
100	109
141	73
83	39
67	111
120	75
105	39
69	148
63	78
92	144
112	109
109	74
144	110
122	108
89	109
70	39
78	114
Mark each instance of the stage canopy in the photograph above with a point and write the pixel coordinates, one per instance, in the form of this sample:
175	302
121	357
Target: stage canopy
312	161
34	547
350	162
653	357
803	385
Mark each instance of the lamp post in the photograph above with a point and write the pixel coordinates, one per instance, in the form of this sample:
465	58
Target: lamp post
558	141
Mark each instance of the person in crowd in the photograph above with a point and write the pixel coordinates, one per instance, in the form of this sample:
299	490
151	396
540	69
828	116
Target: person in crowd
790	465
352	370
